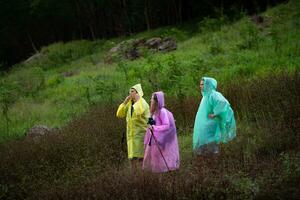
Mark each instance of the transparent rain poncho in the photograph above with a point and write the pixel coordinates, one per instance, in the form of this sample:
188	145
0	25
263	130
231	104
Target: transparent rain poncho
137	115
210	132
161	149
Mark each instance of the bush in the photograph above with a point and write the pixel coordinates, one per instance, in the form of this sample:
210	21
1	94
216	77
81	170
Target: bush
80	160
266	103
174	32
54	80
250	35
216	47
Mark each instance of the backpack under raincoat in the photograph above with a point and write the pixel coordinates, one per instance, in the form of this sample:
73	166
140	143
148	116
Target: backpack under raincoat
220	129
136	123
163	154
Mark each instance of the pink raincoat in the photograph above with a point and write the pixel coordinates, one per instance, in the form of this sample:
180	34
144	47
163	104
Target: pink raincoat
164	156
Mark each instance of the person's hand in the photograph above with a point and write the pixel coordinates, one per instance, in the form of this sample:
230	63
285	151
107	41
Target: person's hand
150	127
127	99
211	116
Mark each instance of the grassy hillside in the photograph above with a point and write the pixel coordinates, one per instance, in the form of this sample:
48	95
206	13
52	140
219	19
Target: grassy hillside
76	86
66	78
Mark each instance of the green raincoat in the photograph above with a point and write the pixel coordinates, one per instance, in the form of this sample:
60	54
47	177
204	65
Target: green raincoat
136	123
213	131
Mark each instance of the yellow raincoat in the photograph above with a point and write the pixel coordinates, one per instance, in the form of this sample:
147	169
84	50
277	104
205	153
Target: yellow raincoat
136	124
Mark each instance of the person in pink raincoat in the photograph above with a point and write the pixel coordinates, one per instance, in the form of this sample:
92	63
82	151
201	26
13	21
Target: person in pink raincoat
161	145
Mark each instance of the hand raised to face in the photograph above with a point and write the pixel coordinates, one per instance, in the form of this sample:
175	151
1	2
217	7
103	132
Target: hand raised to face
134	95
127	99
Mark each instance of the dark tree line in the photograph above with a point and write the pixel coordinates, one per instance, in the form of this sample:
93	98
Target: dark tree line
26	25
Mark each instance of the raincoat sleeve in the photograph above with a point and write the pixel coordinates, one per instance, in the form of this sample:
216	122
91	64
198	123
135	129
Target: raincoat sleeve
165	122
122	110
219	104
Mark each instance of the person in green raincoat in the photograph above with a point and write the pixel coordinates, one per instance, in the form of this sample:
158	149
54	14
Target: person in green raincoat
136	111
214	121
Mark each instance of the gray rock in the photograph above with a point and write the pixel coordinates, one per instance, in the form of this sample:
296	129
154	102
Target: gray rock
33	58
168	44
131	49
138	42
132	53
153	42
115	49
38	130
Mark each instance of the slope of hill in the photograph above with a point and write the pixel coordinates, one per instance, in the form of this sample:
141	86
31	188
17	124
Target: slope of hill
64	79
77	87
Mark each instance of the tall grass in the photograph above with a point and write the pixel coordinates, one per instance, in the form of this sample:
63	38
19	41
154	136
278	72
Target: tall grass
86	159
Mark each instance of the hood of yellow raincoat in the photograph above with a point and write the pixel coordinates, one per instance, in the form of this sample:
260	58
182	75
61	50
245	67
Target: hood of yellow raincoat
210	84
138	88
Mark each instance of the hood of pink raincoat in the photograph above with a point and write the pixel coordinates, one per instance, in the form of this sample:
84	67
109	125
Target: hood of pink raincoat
160	99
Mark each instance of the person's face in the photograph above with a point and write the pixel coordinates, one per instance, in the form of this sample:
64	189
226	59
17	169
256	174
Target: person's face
153	104
201	85
132	93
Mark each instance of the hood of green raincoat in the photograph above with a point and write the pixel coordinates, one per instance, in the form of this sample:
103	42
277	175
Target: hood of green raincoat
138	88
210	84
160	99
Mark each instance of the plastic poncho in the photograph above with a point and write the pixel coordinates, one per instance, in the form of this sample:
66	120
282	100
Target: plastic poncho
220	129
136	123
166	144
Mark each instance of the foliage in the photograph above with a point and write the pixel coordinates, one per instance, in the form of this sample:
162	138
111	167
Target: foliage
25	24
211	24
80	159
8	96
65	78
250	36
54	80
105	88
29	80
256	71
59	54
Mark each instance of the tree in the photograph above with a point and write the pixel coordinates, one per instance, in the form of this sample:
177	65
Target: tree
27	25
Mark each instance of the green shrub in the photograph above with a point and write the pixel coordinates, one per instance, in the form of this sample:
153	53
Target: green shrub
79	161
242	187
216	46
250	35
105	88
54	80
174	32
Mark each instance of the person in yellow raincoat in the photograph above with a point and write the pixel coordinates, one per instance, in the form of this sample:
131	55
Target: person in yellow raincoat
136	111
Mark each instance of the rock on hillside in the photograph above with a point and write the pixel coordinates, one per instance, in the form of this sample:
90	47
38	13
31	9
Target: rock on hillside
133	49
